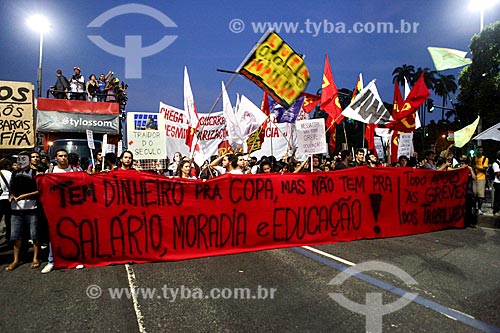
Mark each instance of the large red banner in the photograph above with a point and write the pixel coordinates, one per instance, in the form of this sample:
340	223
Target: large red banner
130	216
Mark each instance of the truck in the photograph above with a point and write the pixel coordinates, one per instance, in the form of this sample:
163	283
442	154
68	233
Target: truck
62	123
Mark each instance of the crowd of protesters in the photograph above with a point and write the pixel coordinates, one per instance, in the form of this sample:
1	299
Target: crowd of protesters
105	89
24	217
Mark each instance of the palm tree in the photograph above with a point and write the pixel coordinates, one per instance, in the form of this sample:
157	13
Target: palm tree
400	73
445	84
429	77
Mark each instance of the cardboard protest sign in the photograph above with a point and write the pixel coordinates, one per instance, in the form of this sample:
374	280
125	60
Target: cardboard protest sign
17	124
144	140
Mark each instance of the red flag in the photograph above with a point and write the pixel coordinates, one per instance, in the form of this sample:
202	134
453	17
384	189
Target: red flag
264	106
416	97
330	97
370	136
310	102
394	146
404	121
333	139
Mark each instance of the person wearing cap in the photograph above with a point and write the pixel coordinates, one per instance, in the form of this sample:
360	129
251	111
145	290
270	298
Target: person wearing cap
77	84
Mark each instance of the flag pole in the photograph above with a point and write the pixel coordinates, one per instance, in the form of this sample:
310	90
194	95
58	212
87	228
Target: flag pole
363	136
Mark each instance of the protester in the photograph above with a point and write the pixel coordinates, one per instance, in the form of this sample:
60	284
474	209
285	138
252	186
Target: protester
480	164
62	166
92	88
402	161
345	160
5	177
61	88
372	161
431	162
265	166
359	157
184	170
22	196
101	93
238	164
173	166
77	83
126	160
496	185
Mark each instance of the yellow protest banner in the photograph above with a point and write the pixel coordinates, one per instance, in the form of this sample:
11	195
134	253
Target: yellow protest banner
275	67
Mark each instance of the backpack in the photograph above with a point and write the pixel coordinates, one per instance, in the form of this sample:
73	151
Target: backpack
490	173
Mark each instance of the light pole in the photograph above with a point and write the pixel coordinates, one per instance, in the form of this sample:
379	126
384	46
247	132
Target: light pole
41	25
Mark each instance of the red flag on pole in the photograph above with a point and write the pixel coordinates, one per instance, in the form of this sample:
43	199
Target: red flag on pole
330	97
370	136
416	97
310	102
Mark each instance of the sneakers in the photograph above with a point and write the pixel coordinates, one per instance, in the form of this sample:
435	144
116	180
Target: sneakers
79	266
48	268
480	212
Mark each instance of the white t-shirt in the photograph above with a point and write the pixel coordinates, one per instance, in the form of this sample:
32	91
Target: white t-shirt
59	170
7	175
496	168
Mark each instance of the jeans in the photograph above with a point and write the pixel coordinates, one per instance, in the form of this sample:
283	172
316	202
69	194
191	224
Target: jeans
496	199
19	223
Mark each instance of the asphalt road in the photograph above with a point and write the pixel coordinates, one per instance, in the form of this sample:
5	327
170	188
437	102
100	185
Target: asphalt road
453	277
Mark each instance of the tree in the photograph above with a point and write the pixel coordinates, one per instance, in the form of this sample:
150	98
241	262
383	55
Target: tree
445	84
400	73
429	77
480	81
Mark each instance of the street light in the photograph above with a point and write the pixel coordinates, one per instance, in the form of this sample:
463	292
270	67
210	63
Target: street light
481	5
40	24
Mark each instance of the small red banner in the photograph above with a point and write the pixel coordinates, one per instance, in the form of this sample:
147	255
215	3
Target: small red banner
130	216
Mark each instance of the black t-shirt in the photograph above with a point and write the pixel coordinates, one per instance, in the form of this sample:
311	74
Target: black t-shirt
23	182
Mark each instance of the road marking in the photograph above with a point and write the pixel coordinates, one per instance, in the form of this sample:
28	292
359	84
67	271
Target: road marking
132	282
448	312
328	255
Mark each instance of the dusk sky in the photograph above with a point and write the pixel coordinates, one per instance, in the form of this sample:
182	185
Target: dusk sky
213	35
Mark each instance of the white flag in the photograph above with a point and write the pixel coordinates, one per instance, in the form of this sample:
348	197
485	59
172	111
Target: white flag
249	117
233	129
192	115
367	107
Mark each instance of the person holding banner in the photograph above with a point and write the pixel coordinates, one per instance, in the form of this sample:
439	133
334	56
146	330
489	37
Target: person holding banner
222	163
23	195
172	168
345	160
127	160
184	170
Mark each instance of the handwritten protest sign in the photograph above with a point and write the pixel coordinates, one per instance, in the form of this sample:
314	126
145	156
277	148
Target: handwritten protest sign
405	146
275	67
17	125
146	143
144	217
311	138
